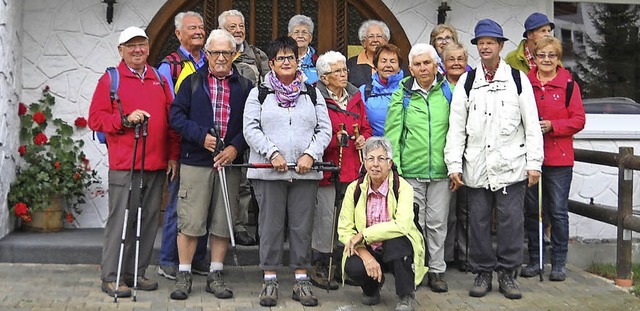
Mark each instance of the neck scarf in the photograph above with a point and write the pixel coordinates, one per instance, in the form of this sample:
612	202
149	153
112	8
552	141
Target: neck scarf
286	94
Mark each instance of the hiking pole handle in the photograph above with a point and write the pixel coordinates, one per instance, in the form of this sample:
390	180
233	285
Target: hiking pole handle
145	127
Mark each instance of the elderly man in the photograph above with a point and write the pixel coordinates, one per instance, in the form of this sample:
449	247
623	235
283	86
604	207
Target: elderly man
378	228
207	112
537	26
494	146
143	97
175	68
372	34
417	124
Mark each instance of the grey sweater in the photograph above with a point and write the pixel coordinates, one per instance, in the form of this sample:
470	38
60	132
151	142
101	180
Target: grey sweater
292	132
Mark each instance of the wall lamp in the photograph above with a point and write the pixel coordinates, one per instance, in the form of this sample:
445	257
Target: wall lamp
442	12
110	4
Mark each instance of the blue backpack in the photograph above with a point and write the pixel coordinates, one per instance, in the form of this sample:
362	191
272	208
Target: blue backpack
114	77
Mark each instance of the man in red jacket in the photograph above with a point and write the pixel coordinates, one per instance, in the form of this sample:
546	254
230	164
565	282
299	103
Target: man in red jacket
142	96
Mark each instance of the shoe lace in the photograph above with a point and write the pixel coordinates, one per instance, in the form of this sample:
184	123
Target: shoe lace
269	288
481	280
305	288
217	278
509	280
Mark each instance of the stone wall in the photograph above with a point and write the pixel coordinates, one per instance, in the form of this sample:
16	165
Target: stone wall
10	88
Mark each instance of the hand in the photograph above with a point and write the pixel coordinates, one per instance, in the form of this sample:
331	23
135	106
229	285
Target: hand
304	164
545	126
373	267
173	169
456	181
137	116
210	143
355	240
360	142
225	156
339	137
533	176
279	163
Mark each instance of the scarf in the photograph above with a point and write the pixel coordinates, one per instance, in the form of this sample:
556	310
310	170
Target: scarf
286	95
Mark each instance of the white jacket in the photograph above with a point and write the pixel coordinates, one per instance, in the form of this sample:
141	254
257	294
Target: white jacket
494	136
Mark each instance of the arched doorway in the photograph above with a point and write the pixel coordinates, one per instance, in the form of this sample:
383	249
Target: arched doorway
337	21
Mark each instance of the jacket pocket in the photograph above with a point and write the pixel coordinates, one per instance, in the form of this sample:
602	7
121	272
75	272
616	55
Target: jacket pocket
510	117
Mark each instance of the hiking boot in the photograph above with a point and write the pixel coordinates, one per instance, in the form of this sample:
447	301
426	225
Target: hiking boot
558	273
302	292
507	284
243	238
530	270
464	266
406	303
371	300
437	283
269	293
143	283
184	279
200	268
110	288
482	284
168	272
216	286
320	275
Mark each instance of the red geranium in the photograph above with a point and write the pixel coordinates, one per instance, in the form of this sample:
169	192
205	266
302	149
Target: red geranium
76	176
39	117
26	218
69	217
57	165
22	150
21	209
40	139
22	109
81	122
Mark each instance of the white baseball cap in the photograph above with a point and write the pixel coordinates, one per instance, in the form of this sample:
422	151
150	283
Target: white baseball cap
131	33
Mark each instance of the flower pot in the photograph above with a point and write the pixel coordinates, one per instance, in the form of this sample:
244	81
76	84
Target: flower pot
49	220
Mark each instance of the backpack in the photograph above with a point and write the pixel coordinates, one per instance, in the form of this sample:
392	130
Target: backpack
311	92
176	63
114	83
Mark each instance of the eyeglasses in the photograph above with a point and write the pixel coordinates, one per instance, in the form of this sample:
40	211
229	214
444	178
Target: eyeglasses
380	159
543	56
444	39
299	33
234	27
374	37
338	71
281	59
134	46
216	54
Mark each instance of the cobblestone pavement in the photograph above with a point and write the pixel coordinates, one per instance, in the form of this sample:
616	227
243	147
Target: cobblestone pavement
77	287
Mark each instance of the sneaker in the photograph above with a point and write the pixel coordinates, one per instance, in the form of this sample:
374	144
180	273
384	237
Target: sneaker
437	283
530	270
168	272
184	279
371	300
508	285
558	273
216	286
143	283
110	288
320	275
269	293
406	303
302	292
482	284
200	268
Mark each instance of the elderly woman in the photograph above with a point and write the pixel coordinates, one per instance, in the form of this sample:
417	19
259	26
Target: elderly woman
417	125
372	34
441	36
289	126
561	117
377	227
345	107
301	30
377	92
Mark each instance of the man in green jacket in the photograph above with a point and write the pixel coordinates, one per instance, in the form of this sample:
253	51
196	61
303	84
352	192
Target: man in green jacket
537	26
417	125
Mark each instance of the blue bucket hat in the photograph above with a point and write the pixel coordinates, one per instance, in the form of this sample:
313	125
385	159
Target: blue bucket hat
488	28
535	21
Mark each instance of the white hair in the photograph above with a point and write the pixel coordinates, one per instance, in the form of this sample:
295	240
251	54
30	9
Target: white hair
324	62
298	20
375	142
422	48
222	19
177	21
221	34
362	31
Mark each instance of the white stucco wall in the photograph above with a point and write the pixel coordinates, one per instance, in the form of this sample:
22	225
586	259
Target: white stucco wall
10	88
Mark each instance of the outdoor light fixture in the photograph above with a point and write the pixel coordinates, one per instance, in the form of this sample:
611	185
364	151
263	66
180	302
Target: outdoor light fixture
442	12
110	4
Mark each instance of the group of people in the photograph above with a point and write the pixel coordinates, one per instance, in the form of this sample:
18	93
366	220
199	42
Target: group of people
423	164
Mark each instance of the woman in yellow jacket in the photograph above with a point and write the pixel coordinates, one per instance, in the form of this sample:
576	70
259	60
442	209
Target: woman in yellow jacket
377	226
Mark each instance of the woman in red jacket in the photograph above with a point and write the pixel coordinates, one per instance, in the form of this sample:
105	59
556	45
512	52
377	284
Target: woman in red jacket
345	106
561	117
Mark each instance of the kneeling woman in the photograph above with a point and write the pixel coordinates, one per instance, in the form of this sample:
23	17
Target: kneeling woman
377	225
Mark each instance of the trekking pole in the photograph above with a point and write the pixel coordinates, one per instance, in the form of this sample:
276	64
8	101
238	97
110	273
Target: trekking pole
356	134
145	125
318	166
336	180
466	245
126	211
540	240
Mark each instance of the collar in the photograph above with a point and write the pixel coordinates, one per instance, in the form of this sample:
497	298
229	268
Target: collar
416	86
489	75
135	72
210	74
337	99
529	56
363	59
186	53
383	189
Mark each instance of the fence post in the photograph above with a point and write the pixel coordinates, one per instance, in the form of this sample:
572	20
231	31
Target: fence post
625	209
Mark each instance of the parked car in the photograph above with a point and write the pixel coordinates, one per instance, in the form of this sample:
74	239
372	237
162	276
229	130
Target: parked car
611	118
611	105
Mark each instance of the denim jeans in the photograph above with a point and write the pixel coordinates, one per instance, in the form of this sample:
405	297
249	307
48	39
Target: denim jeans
169	247
556	182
